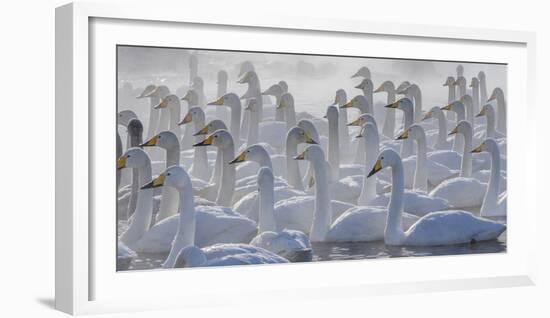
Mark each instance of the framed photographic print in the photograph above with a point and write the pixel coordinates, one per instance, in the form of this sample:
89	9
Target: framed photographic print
238	155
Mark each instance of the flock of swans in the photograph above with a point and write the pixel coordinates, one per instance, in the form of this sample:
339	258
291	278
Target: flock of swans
249	180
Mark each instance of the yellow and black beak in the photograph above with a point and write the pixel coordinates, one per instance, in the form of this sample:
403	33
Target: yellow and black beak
454	131
404	135
240	158
310	140
218	102
493	97
162	104
448	107
348	104
186	97
187	119
151	142
477	149
356	122
279	106
301	156
121	163
377	167
428	115
360	86
379	89
481	113
202	131
207	142
393	105
157	182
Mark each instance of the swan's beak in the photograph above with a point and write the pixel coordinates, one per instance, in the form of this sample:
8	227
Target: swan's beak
202	131
454	131
477	149
240	158
325	117
428	115
218	102
493	97
360	135
360	86
162	104
348	104
207	142
393	105
279	106
310	140
445	84
448	107
148	94
157	182
404	135
186	97
187	119
355	75
151	142
379	89
243	79
481	113
300	156
311	182
356	122
377	167
121	163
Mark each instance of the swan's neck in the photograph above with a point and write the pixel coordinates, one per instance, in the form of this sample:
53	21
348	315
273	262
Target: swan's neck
452	94
290	114
236	123
501	114
293	175
483	89
491	129
215	179
466	166
491	195
142	217
253	128
169	201
469	108
153	116
442	125
200	160
173	156
372	148
334	148
420	182
475	97
185	235
393	233
406	146
368	93
458	141
266	220
164	120
222	88
227	188
322	208
279	112
389	122
175	114
417	105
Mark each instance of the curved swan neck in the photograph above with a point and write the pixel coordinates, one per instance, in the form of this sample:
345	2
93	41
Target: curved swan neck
491	195
406	146
235	128
322	211
466	166
420	182
293	175
372	148
334	147
393	233
173	156
253	128
227	188
153	116
266	221
389	121
442	125
491	129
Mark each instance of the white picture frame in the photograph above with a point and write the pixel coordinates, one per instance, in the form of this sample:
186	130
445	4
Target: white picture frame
77	291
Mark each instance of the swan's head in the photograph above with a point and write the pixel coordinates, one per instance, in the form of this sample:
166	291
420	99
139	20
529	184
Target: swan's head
148	91
463	128
332	113
362	72
219	138
488	145
274	90
386	86
135	128
256	153
466	100
211	127
368	129
191	97
222	77
284	86
340	97
252	105
165	140
386	158
174	176
198	83
414	131
168	101
190	256
401	88
481	76
125	116
363	119
460	81
450	81
366	84
309	127
455	106
194	114
358	101
486	110
265	178
497	93
312	153
404	104
161	91
229	99
460	70
133	158
300	135
245	67
248	77
474	82
434	111
287	100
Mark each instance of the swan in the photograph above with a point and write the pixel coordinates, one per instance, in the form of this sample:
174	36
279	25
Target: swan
414	91
308	126
199	168
188	228
221	91
435	228
362	72
491	205
405	104
460	83
173	105
287	243
441	143
343	134
267	132
135	133
193	68
253	91
388	128
498	95
468	103
474	85
192	99
198	86
158	95
460	110
459	70
276	91
295	136
355	224
367	87
286	104
449	83
369	132
462	191
490	132
232	101
149	92
360	102
482	87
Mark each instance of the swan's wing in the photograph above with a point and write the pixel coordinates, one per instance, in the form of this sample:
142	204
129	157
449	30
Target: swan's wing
225	226
359	224
460	192
239	254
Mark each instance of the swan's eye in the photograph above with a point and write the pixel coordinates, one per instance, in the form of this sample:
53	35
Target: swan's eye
215	136
159	137
168	174
128	156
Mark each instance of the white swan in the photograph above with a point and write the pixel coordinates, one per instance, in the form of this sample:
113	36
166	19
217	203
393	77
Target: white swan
192	99
343	134
360	102
492	205
296	135
414	91
460	110
388	128
199	169
362	72
405	104
232	101
286	104
287	243
149	92
449	83
253	91
441	142
355	224
367	87
276	91
436	228
490	130
482	87
498	95
190	226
